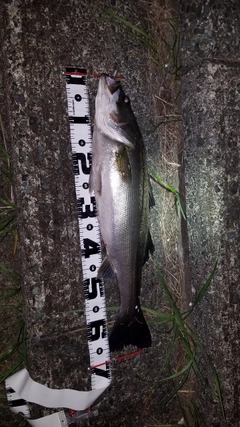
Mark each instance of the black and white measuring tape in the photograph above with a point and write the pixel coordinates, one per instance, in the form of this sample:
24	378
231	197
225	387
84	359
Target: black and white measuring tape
95	305
20	387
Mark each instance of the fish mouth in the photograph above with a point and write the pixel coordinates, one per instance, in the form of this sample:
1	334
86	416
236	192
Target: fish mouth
112	84
109	87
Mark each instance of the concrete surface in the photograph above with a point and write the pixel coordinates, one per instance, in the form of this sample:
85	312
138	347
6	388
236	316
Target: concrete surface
210	103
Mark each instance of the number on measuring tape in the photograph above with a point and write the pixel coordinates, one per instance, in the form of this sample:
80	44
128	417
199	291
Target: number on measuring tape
16	403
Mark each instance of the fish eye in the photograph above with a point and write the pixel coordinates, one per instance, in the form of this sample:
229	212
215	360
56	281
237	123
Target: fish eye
126	99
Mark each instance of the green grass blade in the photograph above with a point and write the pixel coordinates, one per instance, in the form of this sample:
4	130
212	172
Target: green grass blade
7	230
138	33
163	183
10	325
170	349
206	285
7	203
218	393
131	26
9	352
196	415
169	188
159	315
203	289
6	214
180	206
218	387
5	374
12	274
160	65
178	316
186	368
174	391
10	294
191	354
4	151
7	174
5	222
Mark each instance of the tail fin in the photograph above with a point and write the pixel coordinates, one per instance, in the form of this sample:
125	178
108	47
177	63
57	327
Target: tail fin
134	331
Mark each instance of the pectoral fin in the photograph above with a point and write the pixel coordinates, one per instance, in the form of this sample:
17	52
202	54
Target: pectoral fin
105	270
123	164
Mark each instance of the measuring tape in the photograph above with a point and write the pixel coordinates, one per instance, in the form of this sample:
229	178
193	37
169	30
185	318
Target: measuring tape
90	240
20	388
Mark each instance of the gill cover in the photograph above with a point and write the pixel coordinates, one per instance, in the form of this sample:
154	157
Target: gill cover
114	117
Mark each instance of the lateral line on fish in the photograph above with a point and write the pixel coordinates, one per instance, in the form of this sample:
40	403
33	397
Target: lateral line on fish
117	359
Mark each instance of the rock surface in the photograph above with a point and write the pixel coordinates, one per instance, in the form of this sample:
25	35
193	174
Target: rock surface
210	103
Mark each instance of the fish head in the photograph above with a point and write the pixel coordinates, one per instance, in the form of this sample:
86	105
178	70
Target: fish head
113	113
107	95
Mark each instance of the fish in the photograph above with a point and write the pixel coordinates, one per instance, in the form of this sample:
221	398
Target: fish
120	182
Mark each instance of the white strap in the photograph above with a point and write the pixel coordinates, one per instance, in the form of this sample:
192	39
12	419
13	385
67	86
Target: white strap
31	391
34	392
55	420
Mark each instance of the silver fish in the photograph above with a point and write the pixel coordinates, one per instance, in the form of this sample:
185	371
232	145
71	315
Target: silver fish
119	179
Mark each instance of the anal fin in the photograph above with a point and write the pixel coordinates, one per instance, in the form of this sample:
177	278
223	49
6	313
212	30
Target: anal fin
105	270
150	192
149	248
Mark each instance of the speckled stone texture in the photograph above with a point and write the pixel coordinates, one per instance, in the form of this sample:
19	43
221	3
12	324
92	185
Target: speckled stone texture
211	116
